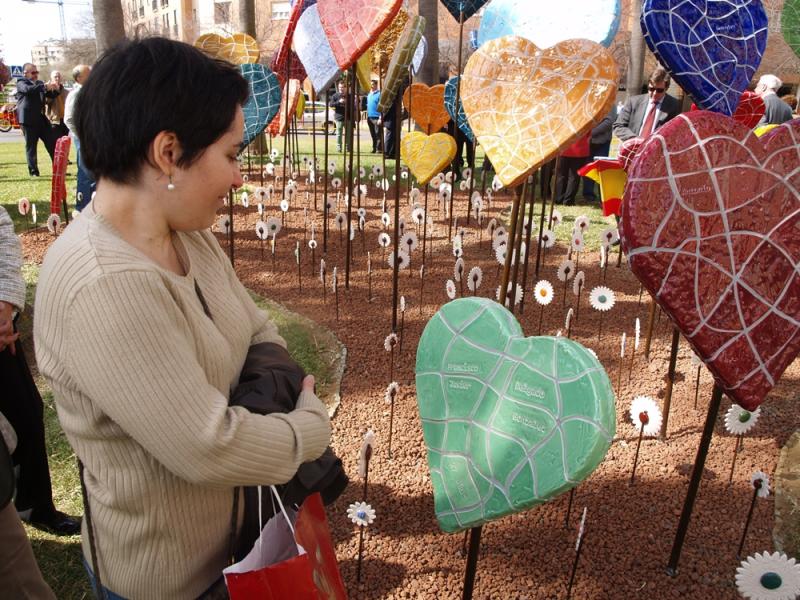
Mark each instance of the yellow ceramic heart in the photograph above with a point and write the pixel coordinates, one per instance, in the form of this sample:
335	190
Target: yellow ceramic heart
384	47
238	49
427	155
525	105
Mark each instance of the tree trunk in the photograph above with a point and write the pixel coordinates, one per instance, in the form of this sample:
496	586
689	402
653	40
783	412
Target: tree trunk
636	64
429	71
247	17
109	24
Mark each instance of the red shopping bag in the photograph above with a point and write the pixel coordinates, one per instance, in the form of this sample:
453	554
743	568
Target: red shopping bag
292	559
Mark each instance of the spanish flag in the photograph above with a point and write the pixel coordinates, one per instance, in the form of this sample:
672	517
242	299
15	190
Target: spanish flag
609	174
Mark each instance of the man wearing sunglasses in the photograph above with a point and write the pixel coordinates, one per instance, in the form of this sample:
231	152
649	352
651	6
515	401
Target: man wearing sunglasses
31	94
645	113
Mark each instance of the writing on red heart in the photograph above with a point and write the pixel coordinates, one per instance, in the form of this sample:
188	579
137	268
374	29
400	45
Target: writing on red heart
709	223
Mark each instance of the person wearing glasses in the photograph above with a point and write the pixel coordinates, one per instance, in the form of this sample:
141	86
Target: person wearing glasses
31	94
645	113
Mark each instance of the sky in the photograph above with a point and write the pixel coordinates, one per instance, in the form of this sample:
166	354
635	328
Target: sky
23	24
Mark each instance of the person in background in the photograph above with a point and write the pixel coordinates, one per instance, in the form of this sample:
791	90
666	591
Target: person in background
567	178
54	106
374	117
645	113
339	103
392	123
31	95
599	145
791	100
775	110
85	182
142	329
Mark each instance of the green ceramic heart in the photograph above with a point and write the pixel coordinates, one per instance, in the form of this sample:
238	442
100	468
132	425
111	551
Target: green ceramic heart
509	421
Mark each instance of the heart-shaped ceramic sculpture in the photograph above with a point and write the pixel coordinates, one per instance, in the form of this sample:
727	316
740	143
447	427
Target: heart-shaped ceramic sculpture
264	100
383	48
419	56
463	9
710	225
279	59
295	65
278	124
712	49
450	105
314	51
352	26
509	421
525	105
397	71
749	111
426	106
238	48
790	24
547	23
427	155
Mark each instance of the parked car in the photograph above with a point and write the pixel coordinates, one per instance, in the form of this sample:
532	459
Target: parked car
316	114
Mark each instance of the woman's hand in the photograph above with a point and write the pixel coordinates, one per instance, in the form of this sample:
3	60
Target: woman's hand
7	335
308	384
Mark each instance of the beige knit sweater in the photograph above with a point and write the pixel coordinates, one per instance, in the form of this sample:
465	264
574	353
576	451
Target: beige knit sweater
141	378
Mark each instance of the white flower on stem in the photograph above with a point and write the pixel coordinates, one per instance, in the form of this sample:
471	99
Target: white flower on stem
391	392
245	198
273	226
466	173
581	223
361	223
365	453
361	513
414	194
447	176
331	164
474	279
644	411
284	205
269	169
334	280
418	216
609	235
401	225
543	292
33	212
602	256
450	288
297	252
245	177
568	320
491	226
458	269
458	252
260	209
386	219
760	480
517	296
500	253
23	206
497	185
383	184
322	270
557	218
602	298
377	170
409	241
499	234
274	153
739	421
638	331
622	346
312	244
54	223
566	270
463	186
769	577
384	239
548	238
403	259
331	171
404	174
222	224
476	201
402	304
336	183
577	242
340	220
261	230
362	213
578	282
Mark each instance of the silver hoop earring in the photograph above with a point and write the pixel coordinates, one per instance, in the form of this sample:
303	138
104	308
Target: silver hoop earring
170	185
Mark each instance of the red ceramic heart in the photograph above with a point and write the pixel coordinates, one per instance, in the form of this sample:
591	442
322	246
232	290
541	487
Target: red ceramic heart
710	224
279	59
749	111
352	26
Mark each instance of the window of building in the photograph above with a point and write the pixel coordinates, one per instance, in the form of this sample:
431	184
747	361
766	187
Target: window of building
280	10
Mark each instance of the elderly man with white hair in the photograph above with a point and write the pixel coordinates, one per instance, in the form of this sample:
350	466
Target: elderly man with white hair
777	111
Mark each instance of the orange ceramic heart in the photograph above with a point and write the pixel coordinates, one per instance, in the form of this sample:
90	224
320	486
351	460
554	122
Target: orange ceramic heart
427	155
352	26
238	49
525	104
426	106
278	124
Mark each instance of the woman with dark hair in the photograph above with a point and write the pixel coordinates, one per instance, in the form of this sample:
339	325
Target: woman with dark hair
142	328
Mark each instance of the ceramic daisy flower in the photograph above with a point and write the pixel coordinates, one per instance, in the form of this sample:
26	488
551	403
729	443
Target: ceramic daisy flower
390	341
568	319
581	223
340	220
566	270
274	153
767	576
245	177
637	331
463	186
331	171
497	185
365	453
458	269
23	206
223	223
269	169
760	479
476	201
245	199
517	296
377	170
645	412
548	238
577	242
284	205
409	241
557	218
261	230
603	255
543	292
418	215
578	282
336	183
361	223
609	235
75	213
322	270
500	254
361	212
414	194
361	513
450	288
403	174
403	260
330	204
474	279
436	181
491	226
739	421
54	223
696	360
602	298
273	226
384	239
386	219
391	392
312	244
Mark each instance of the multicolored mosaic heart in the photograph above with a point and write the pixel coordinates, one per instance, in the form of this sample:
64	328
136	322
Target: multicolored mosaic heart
427	155
450	105
279	59
352	26
750	110
426	106
525	104
712	49
238	48
547	23
314	51
278	124
790	24
509	421
709	224
463	9
397	71
264	100
384	47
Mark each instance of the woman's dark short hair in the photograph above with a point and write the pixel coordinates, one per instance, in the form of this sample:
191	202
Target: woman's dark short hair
138	89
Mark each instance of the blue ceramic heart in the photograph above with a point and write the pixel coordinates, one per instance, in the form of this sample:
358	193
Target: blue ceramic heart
711	49
547	23
465	7
450	105
263	102
314	51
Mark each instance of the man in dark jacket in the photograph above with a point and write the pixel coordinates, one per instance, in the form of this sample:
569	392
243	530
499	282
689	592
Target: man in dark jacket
645	113
31	94
776	111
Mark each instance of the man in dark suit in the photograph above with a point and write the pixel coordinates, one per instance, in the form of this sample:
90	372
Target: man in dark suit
645	113
30	113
